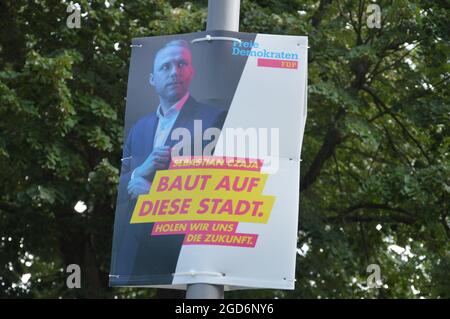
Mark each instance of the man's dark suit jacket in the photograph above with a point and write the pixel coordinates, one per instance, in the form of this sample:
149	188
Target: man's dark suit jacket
131	258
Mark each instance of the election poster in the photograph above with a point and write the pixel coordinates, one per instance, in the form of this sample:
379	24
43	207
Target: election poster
209	183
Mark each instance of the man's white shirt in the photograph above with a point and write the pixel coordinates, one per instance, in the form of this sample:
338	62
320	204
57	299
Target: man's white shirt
165	122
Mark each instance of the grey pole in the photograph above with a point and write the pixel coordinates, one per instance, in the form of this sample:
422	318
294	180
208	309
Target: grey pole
204	291
222	15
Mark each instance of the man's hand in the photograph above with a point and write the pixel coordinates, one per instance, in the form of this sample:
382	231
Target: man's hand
158	159
138	186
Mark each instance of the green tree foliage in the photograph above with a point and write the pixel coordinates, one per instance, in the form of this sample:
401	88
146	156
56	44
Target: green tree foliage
375	172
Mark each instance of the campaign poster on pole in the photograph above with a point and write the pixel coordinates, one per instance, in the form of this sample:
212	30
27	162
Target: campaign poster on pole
209	183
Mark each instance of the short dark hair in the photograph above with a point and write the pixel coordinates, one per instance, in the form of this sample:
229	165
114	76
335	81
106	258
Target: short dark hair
174	43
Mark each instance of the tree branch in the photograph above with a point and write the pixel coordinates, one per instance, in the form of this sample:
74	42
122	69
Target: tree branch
360	16
332	139
343	217
371	219
397	149
8	207
405	130
375	72
318	15
374	206
364	154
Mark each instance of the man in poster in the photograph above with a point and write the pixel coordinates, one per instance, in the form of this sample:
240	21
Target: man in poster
148	149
